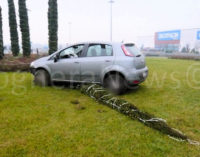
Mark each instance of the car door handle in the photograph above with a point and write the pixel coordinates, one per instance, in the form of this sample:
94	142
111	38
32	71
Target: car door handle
107	61
76	62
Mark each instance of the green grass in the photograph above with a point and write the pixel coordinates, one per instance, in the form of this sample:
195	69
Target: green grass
38	121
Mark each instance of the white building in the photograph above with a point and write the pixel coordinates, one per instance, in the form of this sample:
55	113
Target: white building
190	38
173	40
185	40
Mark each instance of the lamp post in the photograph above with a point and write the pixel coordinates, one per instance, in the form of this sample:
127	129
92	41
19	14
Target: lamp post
69	23
111	3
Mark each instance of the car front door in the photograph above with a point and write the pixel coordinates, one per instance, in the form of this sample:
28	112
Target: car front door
97	58
67	66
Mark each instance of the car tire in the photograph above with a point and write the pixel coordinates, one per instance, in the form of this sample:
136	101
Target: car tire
41	78
116	84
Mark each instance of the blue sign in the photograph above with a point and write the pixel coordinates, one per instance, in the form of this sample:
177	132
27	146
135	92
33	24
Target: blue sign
169	35
198	35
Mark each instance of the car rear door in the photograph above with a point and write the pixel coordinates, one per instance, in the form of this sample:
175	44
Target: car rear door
97	58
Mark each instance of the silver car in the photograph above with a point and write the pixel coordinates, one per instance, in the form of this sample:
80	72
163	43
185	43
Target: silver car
116	66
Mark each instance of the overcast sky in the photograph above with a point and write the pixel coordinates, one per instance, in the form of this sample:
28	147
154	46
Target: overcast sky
90	19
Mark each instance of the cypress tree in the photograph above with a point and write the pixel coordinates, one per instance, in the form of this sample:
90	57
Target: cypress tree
24	25
13	28
1	37
53	26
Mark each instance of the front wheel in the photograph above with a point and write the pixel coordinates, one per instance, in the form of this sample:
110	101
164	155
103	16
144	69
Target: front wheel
41	78
116	84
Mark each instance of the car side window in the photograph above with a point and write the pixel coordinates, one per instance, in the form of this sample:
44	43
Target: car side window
78	49
108	50
72	52
94	50
97	50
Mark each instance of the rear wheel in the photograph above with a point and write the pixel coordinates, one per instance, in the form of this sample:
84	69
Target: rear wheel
115	83
41	78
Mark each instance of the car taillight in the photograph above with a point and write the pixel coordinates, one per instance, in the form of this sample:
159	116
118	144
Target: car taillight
136	82
126	52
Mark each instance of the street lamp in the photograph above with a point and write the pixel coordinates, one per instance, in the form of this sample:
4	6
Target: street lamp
69	23
111	3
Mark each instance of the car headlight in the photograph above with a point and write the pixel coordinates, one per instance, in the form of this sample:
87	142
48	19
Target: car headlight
32	64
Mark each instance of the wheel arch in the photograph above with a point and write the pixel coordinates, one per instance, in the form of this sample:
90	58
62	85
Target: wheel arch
42	68
113	72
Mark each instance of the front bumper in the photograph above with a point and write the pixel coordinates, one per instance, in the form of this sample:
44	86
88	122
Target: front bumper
32	70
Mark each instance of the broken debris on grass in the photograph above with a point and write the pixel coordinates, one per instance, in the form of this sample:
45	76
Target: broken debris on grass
103	96
75	102
80	107
101	111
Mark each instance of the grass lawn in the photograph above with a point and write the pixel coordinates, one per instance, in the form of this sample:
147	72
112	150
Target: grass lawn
37	121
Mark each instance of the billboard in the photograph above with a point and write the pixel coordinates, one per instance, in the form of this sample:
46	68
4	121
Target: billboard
169	35
198	35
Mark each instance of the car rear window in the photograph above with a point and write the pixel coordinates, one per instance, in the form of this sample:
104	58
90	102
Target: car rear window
133	49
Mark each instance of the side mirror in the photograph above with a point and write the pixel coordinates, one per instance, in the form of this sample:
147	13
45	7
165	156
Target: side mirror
55	58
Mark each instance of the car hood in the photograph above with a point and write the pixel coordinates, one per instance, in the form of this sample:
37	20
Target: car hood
38	61
42	59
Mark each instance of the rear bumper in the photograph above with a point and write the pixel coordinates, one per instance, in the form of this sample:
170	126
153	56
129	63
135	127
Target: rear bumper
137	76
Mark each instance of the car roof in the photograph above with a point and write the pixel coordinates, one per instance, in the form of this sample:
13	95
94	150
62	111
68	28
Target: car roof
98	42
